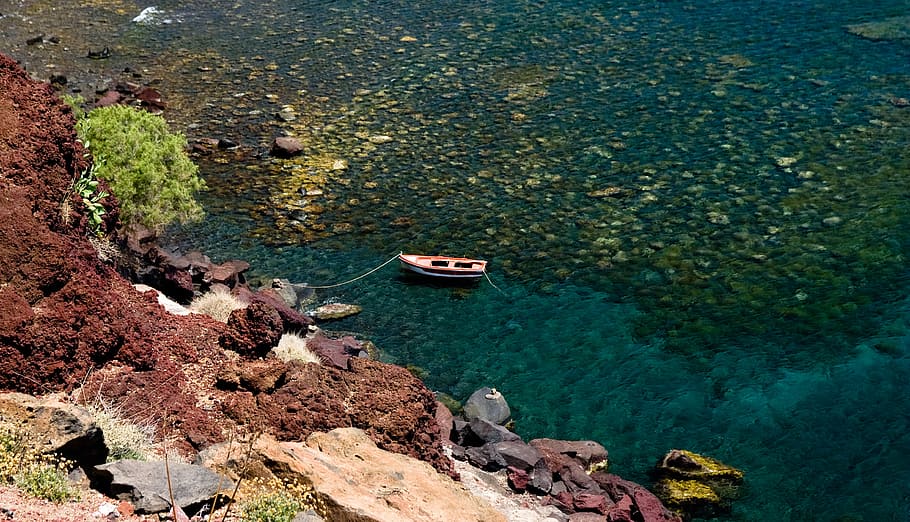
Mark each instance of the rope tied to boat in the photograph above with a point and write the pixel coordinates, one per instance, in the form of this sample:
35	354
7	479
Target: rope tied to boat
485	274
361	276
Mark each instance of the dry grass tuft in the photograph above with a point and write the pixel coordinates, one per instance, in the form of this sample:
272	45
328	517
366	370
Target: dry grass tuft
292	347
124	438
106	249
217	304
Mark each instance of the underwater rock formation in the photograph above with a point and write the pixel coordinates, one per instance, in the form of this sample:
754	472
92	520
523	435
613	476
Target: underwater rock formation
695	485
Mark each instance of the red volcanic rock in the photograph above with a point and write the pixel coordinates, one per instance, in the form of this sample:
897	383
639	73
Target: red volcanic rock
591	502
386	401
253	330
229	273
286	147
518	478
621	491
336	352
446	422
584	452
292	319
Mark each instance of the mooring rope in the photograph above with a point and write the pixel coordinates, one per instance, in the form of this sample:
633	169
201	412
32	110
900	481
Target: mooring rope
356	278
485	274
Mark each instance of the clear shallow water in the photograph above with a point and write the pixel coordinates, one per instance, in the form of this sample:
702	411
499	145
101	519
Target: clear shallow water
697	212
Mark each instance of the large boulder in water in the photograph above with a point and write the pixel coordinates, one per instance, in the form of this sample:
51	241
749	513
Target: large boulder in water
487	404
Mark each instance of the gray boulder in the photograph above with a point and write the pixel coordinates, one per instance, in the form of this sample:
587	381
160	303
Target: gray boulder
144	484
487	431
485	457
518	454
487	404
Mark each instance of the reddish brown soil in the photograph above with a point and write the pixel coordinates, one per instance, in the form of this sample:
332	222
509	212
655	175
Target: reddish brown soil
69	322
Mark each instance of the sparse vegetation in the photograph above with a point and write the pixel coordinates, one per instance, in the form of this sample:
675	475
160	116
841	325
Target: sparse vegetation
36	474
292	347
276	501
124	438
217	304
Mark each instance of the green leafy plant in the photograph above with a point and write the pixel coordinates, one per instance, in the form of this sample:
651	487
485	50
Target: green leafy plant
145	165
86	187
46	478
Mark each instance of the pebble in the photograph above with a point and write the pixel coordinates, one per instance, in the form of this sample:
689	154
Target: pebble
380	138
785	161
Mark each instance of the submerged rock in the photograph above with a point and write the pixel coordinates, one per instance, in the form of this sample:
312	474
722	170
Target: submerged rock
894	28
286	147
696	485
335	311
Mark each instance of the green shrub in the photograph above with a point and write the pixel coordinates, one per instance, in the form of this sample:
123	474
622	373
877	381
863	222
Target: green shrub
217	304
145	165
75	103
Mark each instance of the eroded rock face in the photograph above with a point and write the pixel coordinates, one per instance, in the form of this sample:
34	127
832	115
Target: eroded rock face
362	482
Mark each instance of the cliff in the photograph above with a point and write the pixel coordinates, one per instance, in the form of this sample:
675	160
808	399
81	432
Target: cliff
70	323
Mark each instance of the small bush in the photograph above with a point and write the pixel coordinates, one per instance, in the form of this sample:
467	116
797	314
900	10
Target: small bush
36	474
292	347
280	502
45	478
145	165
217	304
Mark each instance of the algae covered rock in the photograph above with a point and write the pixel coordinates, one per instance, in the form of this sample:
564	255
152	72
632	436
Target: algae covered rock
695	485
894	28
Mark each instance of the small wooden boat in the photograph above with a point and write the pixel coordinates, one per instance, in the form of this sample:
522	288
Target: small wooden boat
443	266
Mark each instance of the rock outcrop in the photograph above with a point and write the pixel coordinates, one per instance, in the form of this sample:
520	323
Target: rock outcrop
55	426
361	482
565	474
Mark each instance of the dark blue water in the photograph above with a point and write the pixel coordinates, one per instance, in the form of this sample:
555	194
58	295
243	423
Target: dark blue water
696	212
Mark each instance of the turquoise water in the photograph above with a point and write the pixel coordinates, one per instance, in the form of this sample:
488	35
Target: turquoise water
696	211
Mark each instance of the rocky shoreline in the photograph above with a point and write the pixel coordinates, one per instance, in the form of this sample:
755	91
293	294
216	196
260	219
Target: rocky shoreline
69	321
